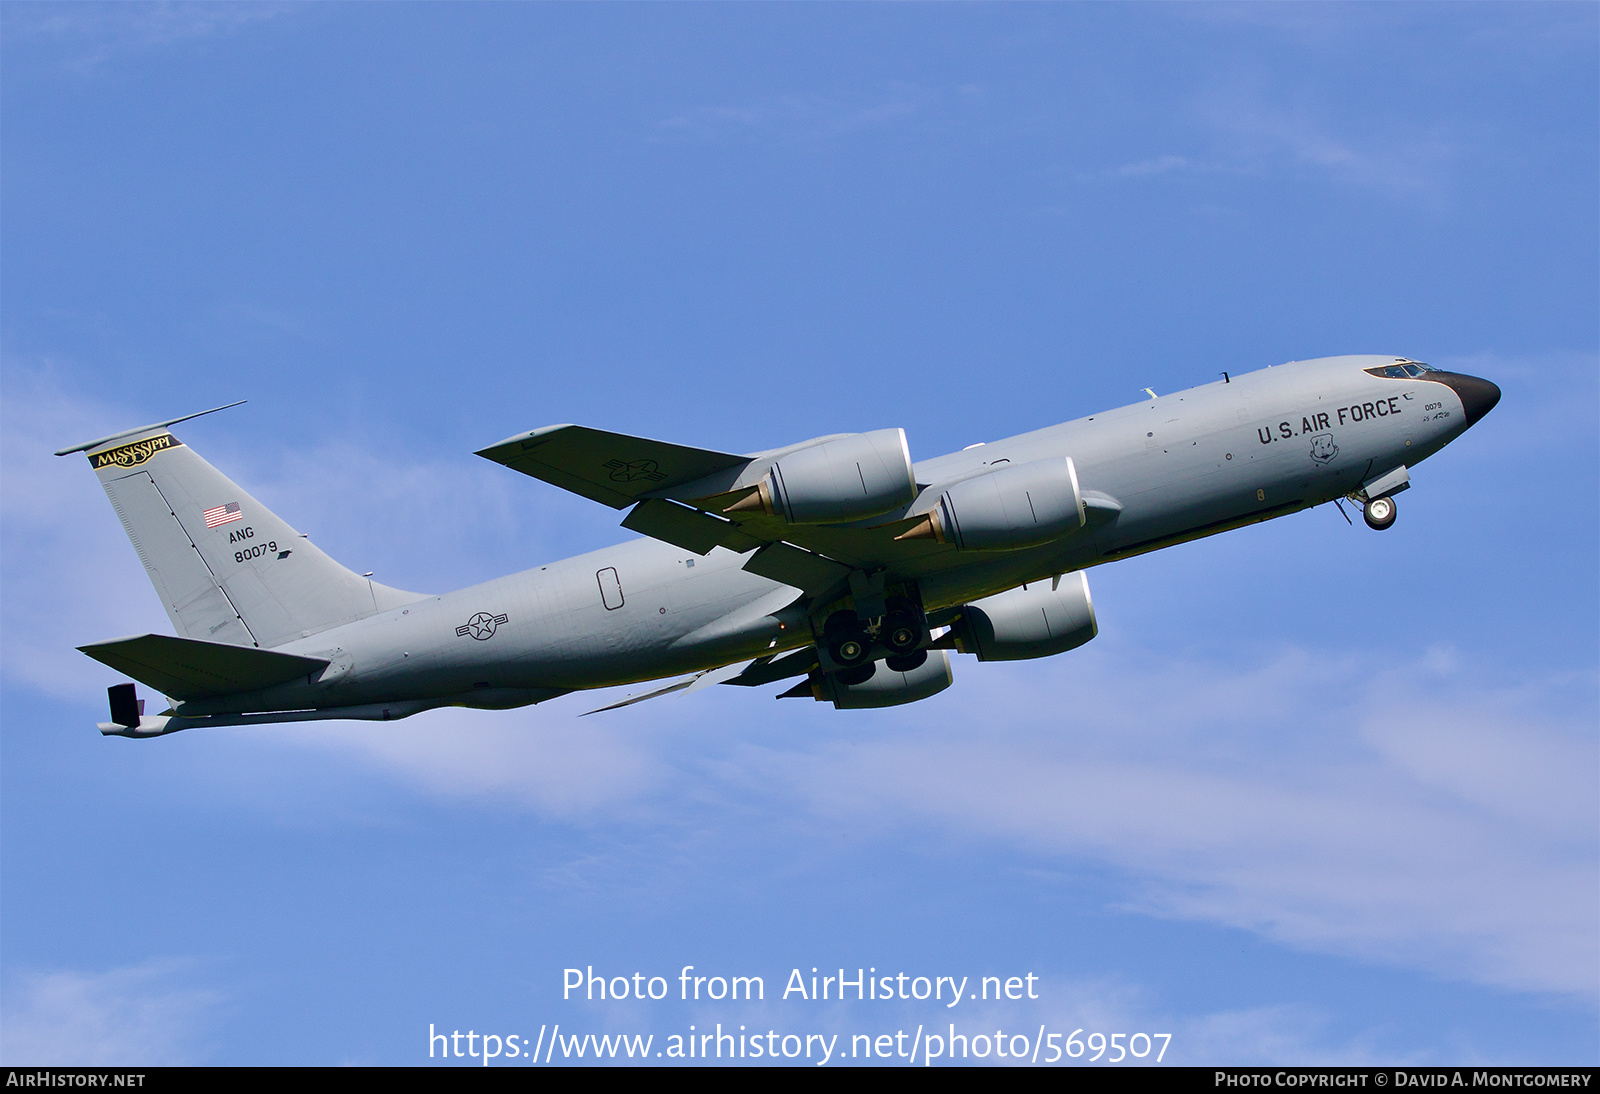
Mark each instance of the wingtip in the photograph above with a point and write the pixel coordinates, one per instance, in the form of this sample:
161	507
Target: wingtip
520	440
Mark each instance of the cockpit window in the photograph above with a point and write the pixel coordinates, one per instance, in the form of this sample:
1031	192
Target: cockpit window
1402	370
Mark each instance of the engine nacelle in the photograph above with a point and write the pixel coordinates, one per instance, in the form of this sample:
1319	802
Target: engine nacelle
1031	621
1007	509
849	478
886	687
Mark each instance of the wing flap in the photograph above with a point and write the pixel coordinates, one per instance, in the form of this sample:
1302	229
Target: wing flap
188	668
611	468
694	683
767	670
811	573
691	529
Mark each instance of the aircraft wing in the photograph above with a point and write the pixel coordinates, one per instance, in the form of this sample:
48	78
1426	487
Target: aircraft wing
620	470
683	496
611	468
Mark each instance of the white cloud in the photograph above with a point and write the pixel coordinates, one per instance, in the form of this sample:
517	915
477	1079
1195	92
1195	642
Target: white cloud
1423	820
145	1015
1158	165
1248	139
1276	1036
94	33
1252	140
1243	132
1291	1034
70	575
1091	1012
528	759
799	116
1398	160
1435	824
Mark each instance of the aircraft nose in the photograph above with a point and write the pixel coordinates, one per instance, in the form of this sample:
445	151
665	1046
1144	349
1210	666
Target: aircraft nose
1478	396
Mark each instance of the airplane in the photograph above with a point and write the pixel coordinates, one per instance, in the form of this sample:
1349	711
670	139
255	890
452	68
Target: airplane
837	563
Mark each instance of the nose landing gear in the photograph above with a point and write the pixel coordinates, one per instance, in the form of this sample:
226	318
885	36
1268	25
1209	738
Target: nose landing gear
1379	513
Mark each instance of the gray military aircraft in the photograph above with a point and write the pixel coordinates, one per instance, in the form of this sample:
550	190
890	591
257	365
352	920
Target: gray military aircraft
837	560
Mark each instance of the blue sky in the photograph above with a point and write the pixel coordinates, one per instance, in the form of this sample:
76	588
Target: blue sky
1315	794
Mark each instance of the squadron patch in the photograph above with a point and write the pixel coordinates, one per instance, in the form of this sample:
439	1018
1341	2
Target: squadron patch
132	455
1322	447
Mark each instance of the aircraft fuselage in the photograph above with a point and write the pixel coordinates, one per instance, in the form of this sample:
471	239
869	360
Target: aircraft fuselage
1154	473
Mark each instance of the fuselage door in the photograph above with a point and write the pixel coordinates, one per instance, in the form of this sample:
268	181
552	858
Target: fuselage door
610	588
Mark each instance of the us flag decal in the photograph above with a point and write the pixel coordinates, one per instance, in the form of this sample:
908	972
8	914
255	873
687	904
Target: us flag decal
223	514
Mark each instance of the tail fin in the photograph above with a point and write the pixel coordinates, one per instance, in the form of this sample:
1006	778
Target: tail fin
226	567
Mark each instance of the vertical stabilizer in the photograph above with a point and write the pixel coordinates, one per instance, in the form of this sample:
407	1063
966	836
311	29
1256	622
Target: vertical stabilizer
226	567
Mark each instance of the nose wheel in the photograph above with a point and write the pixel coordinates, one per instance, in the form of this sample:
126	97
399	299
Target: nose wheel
1379	513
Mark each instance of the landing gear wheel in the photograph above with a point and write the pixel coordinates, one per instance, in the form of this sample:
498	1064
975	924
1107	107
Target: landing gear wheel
1379	513
905	662
841	622
901	633
858	675
850	648
847	643
902	628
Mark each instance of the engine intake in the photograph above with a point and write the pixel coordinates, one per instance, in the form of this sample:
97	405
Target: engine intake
1015	506
884	688
1034	620
837	481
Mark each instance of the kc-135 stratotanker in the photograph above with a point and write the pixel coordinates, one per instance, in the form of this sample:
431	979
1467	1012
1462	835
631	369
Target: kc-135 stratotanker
836	562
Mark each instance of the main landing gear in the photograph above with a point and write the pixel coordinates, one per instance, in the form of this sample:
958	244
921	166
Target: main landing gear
848	642
1379	513
900	634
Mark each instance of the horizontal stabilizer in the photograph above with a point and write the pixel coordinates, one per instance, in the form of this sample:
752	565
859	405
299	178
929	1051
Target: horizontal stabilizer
159	725
187	668
612	468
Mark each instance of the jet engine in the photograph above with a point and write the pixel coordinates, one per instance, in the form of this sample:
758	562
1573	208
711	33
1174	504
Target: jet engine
848	478
1007	509
1034	620
884	688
